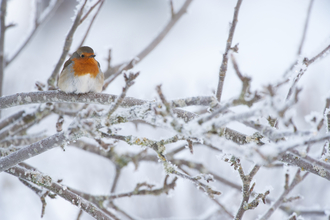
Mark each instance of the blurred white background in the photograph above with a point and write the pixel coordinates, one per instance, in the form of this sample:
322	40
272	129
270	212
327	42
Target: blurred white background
187	64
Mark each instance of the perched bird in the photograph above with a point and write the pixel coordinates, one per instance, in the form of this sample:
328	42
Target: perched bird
81	73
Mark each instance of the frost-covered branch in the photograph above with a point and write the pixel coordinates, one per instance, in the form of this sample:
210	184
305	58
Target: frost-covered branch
223	67
310	165
45	181
159	148
10	119
129	80
297	179
91	98
247	188
303	69
33	150
9	142
24	122
97	199
323	53
42	195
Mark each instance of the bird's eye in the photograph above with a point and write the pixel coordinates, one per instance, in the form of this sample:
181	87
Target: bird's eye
82	55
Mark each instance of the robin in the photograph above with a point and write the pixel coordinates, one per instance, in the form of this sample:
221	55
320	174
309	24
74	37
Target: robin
81	73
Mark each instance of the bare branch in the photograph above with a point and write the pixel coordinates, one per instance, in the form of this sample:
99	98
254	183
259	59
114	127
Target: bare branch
92	21
90	10
3	12
153	44
306	26
297	179
39	179
40	193
307	61
247	190
129	82
38	148
10	119
223	67
20	140
38	22
25	122
66	48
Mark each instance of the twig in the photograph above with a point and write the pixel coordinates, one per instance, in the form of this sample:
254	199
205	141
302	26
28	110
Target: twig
21	140
247	190
302	39
137	191
40	193
115	180
306	26
297	179
66	47
245	87
172	9
80	214
40	179
89	11
59	123
3	12
222	207
307	61
159	148
38	148
38	22
223	67
25	122
309	165
121	211
321	123
129	80
10	119
150	47
92	21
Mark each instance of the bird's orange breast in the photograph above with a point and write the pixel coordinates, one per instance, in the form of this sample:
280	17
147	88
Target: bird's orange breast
86	65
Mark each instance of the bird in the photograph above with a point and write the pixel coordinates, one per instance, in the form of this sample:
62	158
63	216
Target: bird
81	73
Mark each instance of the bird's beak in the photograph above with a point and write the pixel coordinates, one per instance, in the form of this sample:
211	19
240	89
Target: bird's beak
92	55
